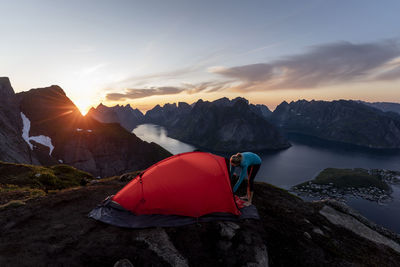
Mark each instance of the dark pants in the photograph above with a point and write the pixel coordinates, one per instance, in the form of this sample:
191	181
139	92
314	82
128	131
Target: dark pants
251	174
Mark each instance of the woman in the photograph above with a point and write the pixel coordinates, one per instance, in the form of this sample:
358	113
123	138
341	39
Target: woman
250	164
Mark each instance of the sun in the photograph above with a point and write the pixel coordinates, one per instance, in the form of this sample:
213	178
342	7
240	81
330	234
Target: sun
83	105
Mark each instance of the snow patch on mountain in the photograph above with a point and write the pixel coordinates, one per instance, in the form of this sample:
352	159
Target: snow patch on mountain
41	139
25	130
44	140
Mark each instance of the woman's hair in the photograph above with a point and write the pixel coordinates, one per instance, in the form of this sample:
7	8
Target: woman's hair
236	159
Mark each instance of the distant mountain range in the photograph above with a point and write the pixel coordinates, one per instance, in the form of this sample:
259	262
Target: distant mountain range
128	117
384	106
343	121
237	125
44	126
221	125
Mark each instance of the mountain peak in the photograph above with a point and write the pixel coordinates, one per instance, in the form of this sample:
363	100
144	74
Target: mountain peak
170	105
5	80
240	99
54	88
5	87
100	107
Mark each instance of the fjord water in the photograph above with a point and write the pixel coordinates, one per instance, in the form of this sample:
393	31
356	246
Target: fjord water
158	134
303	161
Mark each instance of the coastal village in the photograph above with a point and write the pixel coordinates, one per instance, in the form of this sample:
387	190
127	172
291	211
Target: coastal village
316	189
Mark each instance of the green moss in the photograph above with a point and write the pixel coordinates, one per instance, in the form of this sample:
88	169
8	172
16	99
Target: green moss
52	192
45	178
108	179
12	204
9	188
33	192
342	178
70	176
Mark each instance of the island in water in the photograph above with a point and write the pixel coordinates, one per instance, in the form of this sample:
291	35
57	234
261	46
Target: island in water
373	184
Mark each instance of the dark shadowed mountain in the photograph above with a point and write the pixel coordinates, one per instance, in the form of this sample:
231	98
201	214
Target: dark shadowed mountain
168	114
261	109
221	125
60	133
13	148
384	106
342	121
128	117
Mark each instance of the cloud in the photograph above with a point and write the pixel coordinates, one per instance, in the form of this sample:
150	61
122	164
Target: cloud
389	75
248	73
93	69
207	87
189	88
141	93
197	67
321	65
390	71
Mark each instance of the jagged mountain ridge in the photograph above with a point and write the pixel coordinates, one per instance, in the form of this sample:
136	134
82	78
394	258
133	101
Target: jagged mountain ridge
128	117
247	129
103	149
344	121
221	125
168	114
384	106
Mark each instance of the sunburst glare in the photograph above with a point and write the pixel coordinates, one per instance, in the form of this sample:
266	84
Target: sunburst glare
83	105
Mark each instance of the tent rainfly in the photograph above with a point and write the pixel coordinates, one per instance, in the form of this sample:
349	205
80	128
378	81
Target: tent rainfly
179	190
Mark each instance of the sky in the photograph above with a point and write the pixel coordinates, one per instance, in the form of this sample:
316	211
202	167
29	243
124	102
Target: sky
154	52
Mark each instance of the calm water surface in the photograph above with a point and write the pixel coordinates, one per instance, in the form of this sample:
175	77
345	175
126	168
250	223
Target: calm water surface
158	134
302	162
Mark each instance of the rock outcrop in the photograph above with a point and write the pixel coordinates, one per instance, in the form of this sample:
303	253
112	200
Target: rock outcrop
13	148
103	149
221	125
352	224
342	121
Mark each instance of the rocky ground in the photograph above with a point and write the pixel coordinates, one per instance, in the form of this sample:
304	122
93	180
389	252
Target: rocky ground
54	230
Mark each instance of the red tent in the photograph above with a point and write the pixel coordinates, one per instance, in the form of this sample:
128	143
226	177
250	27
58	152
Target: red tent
189	184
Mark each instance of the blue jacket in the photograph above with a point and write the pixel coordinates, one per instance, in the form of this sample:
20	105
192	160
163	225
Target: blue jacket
248	158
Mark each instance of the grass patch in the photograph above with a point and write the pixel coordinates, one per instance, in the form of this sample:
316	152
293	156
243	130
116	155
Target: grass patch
12	204
108	179
46	178
343	178
33	192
